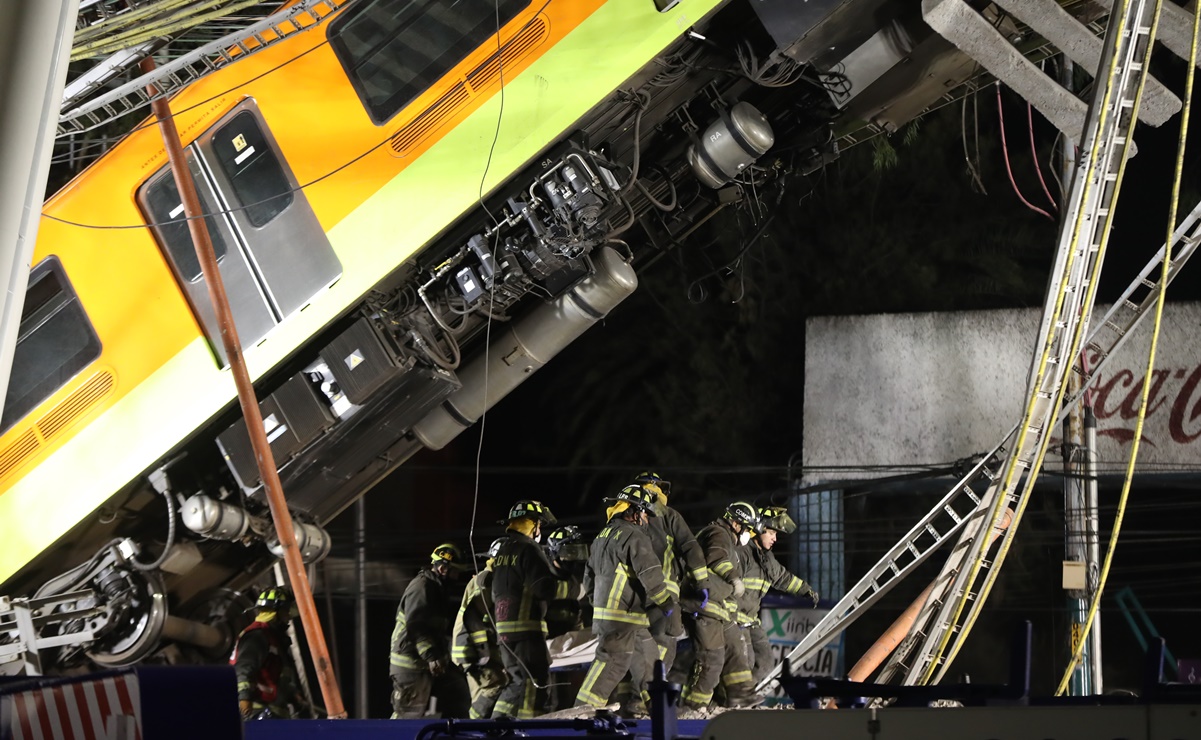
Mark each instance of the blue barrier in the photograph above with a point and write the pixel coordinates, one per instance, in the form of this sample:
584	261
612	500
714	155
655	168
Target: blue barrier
410	729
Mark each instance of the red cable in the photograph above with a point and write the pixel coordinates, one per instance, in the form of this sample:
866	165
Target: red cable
1034	156
1005	150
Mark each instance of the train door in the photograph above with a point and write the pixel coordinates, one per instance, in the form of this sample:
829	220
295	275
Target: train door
271	250
284	240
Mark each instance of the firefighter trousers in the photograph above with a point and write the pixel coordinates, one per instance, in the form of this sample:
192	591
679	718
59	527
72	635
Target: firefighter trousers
758	652
720	658
527	662
665	629
621	649
485	683
411	691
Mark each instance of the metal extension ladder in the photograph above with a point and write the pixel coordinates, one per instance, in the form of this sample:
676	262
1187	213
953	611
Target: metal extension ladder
947	617
1069	303
928	535
179	73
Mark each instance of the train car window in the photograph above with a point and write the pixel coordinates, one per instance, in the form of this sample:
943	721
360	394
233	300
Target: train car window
56	340
251	165
166	212
393	50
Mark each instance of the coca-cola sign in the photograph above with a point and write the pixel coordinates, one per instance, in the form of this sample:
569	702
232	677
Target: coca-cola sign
897	390
1173	406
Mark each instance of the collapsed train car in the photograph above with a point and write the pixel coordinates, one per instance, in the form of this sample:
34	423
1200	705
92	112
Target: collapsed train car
378	188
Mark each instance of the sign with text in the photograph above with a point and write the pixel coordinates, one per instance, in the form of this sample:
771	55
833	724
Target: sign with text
905	389
785	627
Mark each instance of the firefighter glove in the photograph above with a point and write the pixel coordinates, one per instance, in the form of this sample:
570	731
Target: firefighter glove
807	590
739	588
245	708
704	598
438	667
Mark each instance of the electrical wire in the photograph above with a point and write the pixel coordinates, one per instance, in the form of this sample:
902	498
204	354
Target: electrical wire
1078	651
1034	155
1005	151
972	168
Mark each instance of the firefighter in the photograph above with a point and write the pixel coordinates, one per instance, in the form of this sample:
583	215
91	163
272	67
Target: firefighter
563	550
267	684
522	583
420	650
763	571
473	642
672	540
720	654
624	577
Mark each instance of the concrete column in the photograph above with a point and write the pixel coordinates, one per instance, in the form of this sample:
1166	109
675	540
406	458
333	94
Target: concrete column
35	44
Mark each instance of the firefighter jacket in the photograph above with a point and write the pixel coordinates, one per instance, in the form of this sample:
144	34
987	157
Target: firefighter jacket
720	545
522	583
623	575
262	665
474	635
761	571
672	540
423	620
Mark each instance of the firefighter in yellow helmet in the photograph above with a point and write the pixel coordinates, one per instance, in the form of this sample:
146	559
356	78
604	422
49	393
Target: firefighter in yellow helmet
420	653
762	571
522	583
624	578
267	683
674	545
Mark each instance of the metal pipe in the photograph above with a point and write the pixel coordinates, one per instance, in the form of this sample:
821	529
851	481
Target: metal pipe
250	407
1092	543
360	608
195	633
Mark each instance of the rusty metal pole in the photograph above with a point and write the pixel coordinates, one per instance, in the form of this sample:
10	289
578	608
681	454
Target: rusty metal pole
250	407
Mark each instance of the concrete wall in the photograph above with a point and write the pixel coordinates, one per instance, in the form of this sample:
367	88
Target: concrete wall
916	389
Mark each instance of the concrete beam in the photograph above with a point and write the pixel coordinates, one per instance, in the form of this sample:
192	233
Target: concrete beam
975	36
1073	38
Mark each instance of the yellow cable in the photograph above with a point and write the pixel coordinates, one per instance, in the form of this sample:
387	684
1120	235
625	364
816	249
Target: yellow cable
1078	651
1008	481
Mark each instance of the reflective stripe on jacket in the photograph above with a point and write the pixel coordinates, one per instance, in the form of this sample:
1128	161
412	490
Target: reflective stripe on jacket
720	546
262	665
671	539
522	583
474	635
423	619
623	575
762	571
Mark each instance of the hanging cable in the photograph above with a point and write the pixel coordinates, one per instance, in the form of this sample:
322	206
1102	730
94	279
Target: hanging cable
1034	155
1005	152
1078	649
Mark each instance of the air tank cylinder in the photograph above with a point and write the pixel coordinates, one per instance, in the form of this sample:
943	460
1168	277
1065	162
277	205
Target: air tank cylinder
527	345
730	144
